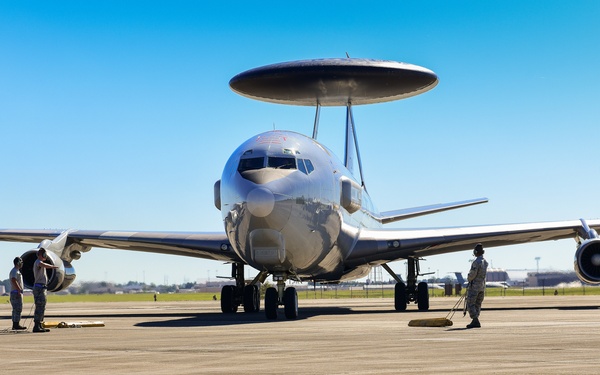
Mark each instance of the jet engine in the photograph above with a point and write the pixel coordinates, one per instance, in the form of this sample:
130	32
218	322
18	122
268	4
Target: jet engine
587	261
58	279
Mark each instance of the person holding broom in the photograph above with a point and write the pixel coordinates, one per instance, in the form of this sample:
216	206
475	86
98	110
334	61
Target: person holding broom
476	288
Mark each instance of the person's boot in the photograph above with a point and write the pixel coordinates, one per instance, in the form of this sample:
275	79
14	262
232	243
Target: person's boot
44	328
37	327
17	327
474	324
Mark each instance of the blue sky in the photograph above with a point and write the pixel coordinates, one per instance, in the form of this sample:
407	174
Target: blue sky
118	115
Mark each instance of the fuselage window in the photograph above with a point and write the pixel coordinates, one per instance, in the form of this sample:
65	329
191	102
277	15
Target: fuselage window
281	163
251	163
309	166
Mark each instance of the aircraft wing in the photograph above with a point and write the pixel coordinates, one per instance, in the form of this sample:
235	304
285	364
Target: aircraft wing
206	245
385	245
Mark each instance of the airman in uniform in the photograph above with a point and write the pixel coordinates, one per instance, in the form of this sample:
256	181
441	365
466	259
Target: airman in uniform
39	289
16	293
476	288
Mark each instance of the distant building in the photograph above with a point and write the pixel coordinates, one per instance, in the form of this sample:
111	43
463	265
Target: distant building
550	278
497	274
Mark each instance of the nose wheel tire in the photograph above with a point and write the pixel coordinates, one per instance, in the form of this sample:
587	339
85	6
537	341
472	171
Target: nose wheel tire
290	302
271	303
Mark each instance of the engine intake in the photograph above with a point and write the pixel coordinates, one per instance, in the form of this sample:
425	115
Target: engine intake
58	279
587	261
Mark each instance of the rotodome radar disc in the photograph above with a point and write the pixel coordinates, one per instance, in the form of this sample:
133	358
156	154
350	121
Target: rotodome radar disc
334	82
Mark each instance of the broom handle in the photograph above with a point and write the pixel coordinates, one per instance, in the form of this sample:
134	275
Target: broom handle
465	306
453	310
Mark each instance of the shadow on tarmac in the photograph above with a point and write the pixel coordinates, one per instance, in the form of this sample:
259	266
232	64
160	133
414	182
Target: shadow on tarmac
220	319
184	319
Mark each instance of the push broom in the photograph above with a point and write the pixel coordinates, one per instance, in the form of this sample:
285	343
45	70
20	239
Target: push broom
439	322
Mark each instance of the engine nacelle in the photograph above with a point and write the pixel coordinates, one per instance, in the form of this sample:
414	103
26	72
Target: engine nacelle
587	261
58	279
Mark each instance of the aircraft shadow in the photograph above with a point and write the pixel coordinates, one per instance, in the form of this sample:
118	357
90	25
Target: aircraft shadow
182	319
220	319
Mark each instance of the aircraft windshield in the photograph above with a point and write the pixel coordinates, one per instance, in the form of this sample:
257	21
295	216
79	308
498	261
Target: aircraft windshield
278	162
251	163
281	163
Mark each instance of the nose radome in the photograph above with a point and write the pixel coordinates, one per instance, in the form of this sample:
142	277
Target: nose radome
260	202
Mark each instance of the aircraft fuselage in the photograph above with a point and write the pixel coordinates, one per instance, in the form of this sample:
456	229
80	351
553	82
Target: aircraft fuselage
281	205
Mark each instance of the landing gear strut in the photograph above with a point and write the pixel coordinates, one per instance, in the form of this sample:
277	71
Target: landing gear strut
410	292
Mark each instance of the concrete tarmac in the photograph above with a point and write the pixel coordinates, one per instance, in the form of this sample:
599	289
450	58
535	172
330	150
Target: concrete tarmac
520	335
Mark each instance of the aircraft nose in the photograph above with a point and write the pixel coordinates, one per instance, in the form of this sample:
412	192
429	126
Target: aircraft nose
260	202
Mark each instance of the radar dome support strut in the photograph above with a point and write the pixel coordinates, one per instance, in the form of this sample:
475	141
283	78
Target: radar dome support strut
352	149
316	126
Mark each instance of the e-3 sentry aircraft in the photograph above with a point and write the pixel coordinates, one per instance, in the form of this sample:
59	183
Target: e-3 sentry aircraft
292	210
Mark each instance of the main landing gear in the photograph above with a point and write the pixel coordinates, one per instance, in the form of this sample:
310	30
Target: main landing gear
232	296
412	291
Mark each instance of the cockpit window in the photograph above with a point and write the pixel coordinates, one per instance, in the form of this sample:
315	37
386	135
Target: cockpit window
309	166
277	162
301	166
305	166
281	163
251	163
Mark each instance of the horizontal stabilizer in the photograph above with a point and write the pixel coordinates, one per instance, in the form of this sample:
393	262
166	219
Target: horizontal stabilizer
408	213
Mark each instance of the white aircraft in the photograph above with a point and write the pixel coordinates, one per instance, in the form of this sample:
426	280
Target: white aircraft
292	210
488	284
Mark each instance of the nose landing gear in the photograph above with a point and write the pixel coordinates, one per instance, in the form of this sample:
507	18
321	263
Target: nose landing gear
232	296
288	297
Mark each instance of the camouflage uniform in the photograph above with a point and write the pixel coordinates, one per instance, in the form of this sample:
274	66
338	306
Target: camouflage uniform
16	296
476	291
39	291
